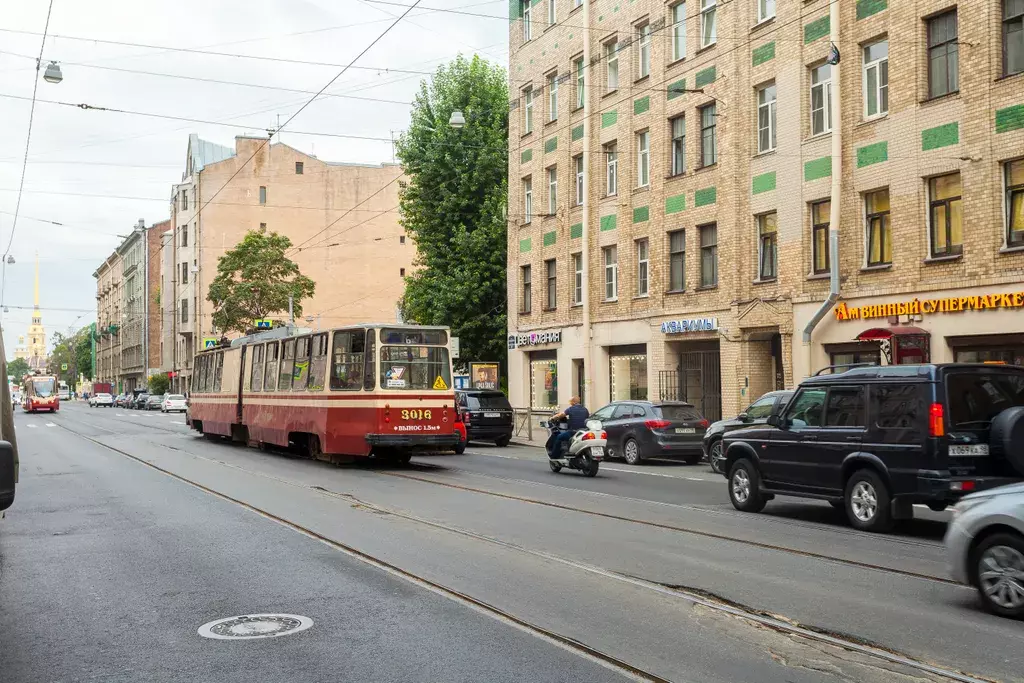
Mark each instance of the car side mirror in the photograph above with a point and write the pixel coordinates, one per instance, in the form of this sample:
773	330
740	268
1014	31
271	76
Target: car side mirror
8	475
742	417
594	425
775	420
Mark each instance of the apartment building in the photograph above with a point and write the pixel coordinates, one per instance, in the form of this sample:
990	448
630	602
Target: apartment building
710	171
109	302
342	219
132	331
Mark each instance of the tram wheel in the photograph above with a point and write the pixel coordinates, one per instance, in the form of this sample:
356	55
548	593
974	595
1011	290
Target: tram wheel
313	448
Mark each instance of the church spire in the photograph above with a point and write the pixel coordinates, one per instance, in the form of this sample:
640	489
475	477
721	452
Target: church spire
35	301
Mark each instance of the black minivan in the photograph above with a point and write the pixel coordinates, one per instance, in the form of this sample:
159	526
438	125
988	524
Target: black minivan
487	415
876	440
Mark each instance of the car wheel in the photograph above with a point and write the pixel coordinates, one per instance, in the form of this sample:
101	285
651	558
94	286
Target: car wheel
998	564
501	441
716	457
631	452
555	467
745	487
867	502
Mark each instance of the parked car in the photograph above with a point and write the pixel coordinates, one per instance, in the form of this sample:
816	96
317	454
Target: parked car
139	402
985	547
122	400
460	429
876	440
755	414
486	415
102	401
153	402
638	430
173	402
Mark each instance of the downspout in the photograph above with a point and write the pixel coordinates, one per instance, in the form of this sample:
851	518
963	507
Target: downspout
588	369
837	182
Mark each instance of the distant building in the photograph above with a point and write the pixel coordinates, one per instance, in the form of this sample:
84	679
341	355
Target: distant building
34	352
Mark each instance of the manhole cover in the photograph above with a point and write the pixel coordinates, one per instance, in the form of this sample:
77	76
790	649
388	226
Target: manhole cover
249	626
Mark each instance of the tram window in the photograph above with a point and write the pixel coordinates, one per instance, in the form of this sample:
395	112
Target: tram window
284	375
204	375
270	376
300	375
420	367
218	371
369	369
347	364
257	368
318	362
412	336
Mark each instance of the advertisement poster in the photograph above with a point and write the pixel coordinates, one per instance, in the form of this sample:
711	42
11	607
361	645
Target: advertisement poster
484	375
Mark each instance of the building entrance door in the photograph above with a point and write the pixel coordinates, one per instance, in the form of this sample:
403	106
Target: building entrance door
697	381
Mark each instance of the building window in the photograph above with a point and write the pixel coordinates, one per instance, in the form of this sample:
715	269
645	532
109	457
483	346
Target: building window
642	267
678	31
1013	37
876	211
526	305
263	194
578	64
527	21
552	191
768	244
263	226
527	110
184	310
842	361
401	239
946	215
577	279
677	261
643	159
543	382
184	273
611	155
708	255
184	235
643	50
943	55
184	200
708	25
821	99
766	118
578	162
820	258
627	378
876	78
611	273
708	140
552	13
611	58
678	145
551	292
527	200
577	3
765	10
298	168
1014	202
553	97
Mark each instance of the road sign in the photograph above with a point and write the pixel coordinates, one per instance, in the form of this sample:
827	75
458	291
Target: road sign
209	342
455	347
63	367
264	324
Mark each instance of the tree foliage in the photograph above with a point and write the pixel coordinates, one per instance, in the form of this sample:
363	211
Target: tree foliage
17	368
159	384
254	281
453	205
75	351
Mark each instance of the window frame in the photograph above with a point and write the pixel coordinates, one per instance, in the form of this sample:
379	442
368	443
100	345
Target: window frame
550	284
552	86
1009	192
815	229
643	49
678	36
333	379
706	250
951	250
581	81
767	239
1005	25
708	8
885	229
950	46
643	158
577	279
528	199
611	154
772	122
866	68
528	96
552	172
677	256
677	146
525	289
300	168
826	98
768	14
611	53
527	22
610	261
263	195
552	13
578	163
706	130
643	266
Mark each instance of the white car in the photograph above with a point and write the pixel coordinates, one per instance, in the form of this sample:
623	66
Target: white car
173	402
102	400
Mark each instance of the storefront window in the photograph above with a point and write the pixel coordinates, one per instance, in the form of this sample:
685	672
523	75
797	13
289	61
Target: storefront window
543	383
994	356
842	361
628	377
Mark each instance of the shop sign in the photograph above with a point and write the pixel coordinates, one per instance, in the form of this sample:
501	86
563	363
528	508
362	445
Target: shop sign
692	325
981	302
534	338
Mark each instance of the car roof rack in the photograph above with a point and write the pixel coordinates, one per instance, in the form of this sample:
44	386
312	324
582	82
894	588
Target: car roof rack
847	366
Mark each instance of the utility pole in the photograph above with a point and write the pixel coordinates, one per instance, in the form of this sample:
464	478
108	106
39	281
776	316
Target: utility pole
588	367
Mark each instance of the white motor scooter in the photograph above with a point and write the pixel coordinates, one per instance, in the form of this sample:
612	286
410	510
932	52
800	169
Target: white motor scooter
583	452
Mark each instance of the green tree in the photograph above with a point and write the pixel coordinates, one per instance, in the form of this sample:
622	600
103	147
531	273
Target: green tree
159	384
17	368
75	351
453	205
254	281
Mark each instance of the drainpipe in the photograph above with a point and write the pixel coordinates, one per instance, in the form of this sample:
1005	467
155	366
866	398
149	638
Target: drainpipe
588	368
837	177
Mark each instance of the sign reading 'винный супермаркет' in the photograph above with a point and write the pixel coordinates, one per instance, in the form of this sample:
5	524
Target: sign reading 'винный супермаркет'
956	304
691	325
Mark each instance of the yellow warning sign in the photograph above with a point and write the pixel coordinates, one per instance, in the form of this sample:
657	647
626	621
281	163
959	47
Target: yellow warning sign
439	383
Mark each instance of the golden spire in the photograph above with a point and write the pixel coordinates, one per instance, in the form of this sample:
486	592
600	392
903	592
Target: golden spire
36	299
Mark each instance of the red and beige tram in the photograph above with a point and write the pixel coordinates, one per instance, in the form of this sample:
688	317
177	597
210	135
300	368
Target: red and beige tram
375	389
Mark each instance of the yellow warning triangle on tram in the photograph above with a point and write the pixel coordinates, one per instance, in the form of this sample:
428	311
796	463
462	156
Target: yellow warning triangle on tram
439	383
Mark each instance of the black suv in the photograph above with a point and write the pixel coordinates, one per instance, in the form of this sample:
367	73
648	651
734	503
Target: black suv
756	414
876	440
487	415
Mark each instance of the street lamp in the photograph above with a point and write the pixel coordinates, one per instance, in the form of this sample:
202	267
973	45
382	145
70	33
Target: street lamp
52	73
457	120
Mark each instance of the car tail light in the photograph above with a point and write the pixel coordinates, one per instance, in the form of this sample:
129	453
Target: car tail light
656	424
588	436
704	424
465	417
936	424
961	486
387	412
458	416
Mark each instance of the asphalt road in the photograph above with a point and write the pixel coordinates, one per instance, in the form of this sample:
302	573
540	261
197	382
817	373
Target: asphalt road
108	566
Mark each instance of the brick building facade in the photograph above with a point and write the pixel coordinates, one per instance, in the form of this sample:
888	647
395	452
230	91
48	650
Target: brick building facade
710	177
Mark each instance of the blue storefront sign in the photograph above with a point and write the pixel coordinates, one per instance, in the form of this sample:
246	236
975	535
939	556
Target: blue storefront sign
690	325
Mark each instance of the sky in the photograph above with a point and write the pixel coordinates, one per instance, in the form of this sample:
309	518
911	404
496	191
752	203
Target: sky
96	173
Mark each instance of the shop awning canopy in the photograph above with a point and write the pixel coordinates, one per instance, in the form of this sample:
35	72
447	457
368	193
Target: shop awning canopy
876	333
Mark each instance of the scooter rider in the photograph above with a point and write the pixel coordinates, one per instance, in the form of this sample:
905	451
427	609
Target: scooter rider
576	415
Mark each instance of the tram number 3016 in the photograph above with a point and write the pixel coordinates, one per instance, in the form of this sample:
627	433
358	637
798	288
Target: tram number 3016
415	414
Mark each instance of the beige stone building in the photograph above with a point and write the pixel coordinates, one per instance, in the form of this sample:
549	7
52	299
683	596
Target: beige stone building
109	302
342	220
709	136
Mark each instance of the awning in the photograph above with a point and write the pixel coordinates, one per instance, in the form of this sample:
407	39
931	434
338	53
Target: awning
876	333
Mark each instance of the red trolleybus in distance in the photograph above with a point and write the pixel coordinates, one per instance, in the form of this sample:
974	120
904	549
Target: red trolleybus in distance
375	389
38	393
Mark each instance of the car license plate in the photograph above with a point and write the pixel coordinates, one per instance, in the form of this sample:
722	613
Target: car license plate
492	414
977	449
597	450
685	430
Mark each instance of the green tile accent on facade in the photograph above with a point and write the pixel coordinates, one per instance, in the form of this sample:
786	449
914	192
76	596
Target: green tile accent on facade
576	231
940	136
818	28
550	145
515	9
1011	118
601	18
872	154
527	155
676	89
609	222
675	204
705	77
525	245
818	168
641	214
762	54
641	105
577	133
709	195
550	238
609	118
763	183
865	8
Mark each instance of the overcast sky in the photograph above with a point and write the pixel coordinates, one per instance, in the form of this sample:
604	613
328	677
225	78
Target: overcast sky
78	159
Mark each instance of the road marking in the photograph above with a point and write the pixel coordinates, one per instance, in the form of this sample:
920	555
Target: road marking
31	426
50	424
177	422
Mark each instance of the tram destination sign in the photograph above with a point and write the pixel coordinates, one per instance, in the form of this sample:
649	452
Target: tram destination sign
691	325
534	339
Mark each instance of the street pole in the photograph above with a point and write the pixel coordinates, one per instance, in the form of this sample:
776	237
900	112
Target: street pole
588	367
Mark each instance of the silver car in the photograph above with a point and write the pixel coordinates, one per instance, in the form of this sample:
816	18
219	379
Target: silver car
985	547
